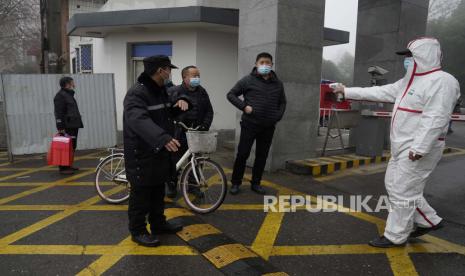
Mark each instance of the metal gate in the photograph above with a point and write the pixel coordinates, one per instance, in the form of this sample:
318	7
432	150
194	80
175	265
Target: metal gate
29	111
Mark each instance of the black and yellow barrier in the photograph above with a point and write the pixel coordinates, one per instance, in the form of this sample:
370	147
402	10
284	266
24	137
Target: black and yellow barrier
226	254
328	165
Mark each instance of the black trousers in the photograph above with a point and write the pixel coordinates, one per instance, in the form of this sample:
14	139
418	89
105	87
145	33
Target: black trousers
263	137
146	203
73	132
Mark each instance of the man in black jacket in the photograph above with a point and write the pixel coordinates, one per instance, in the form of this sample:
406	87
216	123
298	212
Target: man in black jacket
148	131
263	105
200	114
67	115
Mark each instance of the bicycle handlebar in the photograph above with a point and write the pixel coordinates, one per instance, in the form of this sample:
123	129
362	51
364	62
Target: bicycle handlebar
186	127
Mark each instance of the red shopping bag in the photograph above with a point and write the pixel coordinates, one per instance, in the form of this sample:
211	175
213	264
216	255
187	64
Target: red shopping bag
61	151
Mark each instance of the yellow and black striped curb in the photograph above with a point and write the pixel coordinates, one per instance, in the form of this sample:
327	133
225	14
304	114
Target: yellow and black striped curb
328	165
226	254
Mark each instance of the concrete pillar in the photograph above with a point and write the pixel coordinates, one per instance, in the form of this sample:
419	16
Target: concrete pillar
292	31
384	27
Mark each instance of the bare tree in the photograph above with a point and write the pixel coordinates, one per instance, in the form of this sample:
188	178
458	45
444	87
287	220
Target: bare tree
19	30
441	8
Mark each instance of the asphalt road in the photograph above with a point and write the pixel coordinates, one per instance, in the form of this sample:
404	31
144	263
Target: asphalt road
50	224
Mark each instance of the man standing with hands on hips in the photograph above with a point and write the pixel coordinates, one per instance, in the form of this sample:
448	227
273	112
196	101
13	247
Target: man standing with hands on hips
263	106
423	103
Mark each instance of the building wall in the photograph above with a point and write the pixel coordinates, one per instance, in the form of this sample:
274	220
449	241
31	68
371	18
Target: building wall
81	6
217	60
116	5
213	52
111	55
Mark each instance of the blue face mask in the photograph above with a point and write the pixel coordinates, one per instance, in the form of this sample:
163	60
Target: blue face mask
264	69
408	62
194	82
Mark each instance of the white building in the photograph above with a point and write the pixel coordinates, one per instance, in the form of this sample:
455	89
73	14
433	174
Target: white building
193	32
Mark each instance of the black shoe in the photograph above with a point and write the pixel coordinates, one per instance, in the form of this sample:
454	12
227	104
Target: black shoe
172	190
146	240
234	189
166	228
66	171
258	189
383	242
420	231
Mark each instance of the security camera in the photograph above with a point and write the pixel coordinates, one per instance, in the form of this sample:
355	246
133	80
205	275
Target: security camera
377	71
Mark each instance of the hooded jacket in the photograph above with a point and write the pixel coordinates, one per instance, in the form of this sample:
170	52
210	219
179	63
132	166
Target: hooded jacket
423	100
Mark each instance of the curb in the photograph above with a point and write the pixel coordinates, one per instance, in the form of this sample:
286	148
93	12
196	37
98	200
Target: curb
330	164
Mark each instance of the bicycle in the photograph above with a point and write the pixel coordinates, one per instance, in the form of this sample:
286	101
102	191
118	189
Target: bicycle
195	165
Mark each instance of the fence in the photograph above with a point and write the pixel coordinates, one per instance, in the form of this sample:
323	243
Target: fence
29	111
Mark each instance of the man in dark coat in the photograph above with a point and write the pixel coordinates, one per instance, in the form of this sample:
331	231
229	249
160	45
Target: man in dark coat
148	131
199	115
67	115
263	106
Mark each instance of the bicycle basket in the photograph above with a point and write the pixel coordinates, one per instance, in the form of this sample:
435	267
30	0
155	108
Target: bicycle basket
202	141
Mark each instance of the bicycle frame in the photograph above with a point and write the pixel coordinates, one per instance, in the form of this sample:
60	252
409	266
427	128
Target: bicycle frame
193	159
187	155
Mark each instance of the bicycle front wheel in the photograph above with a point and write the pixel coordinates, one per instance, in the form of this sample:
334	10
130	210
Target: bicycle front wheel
110	179
206	192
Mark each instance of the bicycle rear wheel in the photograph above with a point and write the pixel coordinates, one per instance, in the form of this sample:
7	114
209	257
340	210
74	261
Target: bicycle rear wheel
111	176
206	195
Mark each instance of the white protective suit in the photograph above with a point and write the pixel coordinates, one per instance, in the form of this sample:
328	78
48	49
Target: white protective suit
423	103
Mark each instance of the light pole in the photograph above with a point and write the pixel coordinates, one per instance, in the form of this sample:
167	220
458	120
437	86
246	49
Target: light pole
44	37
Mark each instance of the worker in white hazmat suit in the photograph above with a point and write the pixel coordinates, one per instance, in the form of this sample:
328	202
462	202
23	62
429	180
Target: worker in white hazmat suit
423	103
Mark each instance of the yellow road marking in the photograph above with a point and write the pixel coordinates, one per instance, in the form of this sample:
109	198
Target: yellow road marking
243	207
42	187
28	184
33	207
33	170
33	184
223	255
106	261
350	249
264	241
447	245
401	264
96	250
325	250
450	247
172	213
52	219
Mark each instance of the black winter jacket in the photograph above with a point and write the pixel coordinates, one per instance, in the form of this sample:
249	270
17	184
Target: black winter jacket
201	112
147	128
266	97
67	113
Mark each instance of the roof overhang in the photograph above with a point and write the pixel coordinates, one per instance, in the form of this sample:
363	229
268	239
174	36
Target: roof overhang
100	24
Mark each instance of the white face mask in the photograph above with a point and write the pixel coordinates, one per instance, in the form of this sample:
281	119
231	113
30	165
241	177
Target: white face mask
408	61
264	69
